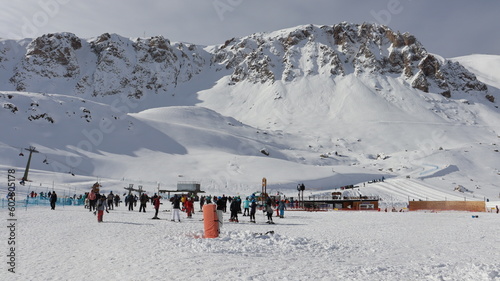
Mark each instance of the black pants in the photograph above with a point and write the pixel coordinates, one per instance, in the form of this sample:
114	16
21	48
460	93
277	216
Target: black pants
92	205
110	204
142	207
252	216
156	213
53	205
234	215
269	216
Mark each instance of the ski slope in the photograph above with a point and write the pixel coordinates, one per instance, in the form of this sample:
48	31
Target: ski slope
404	190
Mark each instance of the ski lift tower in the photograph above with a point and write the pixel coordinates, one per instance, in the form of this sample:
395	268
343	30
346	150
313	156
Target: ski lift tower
131	188
300	188
263	195
25	176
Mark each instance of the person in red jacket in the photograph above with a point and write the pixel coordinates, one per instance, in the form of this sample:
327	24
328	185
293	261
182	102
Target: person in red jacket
189	207
156	202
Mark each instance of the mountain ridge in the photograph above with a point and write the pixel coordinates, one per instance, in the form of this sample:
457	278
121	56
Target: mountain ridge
328	105
111	64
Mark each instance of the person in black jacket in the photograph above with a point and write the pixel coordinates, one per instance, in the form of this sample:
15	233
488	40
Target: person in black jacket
253	209
176	208
235	208
144	201
53	200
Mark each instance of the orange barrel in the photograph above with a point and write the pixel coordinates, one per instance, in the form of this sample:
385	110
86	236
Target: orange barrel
211	221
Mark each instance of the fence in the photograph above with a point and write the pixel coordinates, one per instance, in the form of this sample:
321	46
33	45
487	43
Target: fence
40	201
472	206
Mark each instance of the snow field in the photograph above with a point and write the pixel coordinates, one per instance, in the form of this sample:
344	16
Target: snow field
69	244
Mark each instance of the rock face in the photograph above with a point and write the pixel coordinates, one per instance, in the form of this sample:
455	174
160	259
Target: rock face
110	64
340	50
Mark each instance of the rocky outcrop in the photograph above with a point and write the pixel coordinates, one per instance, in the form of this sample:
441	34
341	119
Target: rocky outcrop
340	50
111	64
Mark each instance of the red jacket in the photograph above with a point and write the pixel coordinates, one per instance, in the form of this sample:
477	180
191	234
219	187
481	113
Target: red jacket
157	202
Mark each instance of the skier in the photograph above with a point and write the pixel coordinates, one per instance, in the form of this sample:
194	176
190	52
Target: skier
156	202
110	200
102	205
117	200
269	210
235	207
281	208
220	204
246	206
53	200
202	202
176	205
131	202
144	201
189	207
253	209
92	200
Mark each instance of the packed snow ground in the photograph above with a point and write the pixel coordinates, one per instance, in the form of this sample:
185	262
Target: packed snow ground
69	244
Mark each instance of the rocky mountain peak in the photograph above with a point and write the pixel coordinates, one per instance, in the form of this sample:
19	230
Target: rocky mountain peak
341	49
111	64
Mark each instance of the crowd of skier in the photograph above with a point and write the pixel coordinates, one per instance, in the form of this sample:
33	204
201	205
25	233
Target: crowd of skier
99	203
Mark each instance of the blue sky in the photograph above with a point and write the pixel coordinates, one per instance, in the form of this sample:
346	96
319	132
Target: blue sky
449	28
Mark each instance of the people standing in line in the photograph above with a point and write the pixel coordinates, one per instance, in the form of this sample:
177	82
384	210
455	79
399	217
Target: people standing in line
111	196
102	206
253	209
176	208
53	200
281	208
144	201
246	207
156	203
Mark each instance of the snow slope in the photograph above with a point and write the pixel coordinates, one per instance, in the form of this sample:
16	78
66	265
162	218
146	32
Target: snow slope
328	111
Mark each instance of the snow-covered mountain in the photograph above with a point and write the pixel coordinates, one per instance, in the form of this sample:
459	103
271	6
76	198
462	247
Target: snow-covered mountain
324	105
